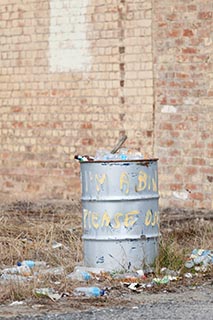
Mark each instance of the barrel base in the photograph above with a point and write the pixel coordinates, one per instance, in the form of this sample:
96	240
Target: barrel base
120	255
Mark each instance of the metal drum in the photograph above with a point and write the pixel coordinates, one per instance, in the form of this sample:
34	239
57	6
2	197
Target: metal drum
120	214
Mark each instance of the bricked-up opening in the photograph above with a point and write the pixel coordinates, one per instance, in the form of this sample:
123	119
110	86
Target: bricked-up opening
68	43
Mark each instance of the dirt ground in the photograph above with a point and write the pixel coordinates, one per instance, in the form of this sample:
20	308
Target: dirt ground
28	230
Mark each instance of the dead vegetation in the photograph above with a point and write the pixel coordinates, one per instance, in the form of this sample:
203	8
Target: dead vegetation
33	235
180	238
54	236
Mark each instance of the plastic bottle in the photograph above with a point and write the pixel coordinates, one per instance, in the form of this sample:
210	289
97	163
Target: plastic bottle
22	270
90	270
12	270
89	291
31	263
79	275
13	277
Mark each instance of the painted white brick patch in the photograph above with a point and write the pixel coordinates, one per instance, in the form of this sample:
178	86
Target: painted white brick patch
68	45
169	109
182	195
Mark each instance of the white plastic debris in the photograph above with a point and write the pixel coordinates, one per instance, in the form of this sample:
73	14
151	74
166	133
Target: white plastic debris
48	292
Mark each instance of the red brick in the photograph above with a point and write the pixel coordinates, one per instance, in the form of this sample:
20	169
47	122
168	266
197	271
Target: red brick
166	126
197	196
16	109
191	171
191	187
205	15
192	7
18	124
182	75
175	153
182	126
87	141
188	33
176	186
9	184
198	161
174	33
86	125
189	50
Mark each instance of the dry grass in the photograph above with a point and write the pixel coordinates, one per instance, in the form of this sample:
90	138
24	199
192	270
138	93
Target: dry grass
180	239
30	234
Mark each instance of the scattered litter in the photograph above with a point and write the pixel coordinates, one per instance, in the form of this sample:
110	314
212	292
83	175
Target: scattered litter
141	274
53	271
16	303
18	270
202	268
83	158
124	154
106	155
188	275
90	269
189	264
89	291
56	245
165	279
200	257
79	275
136	287
110	155
48	292
27	270
168	272
129	277
14	277
23	270
86	273
31	263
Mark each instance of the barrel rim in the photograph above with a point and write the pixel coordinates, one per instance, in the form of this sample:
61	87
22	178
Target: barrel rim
120	161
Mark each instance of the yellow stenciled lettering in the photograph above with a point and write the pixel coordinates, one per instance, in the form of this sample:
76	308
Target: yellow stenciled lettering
85	215
124	183
148	218
142	181
130	218
105	220
117	221
100	181
157	218
151	218
94	218
149	182
154	182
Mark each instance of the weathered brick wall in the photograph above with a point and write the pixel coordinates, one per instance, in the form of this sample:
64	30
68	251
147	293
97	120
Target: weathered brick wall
183	63
74	75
